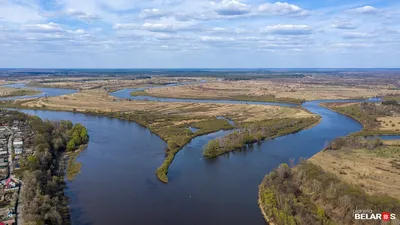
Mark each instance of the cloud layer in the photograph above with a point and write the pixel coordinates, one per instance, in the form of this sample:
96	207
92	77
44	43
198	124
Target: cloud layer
183	33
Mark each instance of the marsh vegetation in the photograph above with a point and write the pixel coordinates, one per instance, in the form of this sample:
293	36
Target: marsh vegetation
252	132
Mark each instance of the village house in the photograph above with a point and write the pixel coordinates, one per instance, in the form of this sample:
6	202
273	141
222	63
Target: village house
9	184
18	143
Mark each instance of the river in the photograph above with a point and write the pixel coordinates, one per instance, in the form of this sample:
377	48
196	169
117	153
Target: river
118	183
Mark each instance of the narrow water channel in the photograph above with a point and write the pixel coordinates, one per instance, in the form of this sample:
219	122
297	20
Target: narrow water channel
49	92
118	183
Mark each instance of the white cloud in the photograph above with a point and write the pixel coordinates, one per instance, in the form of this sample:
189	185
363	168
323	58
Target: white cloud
126	26
44	28
81	15
365	10
282	8
288	29
156	27
153	13
78	31
200	28
231	8
203	16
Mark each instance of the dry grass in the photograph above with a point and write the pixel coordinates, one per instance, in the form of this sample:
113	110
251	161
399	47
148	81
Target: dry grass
374	171
99	100
389	123
392	142
108	83
288	88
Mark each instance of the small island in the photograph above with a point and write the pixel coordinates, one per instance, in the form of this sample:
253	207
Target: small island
6	92
253	132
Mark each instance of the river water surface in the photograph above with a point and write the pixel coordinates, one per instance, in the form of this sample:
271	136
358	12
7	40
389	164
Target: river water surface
118	183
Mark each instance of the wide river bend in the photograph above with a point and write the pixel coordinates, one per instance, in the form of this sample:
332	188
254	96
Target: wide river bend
118	183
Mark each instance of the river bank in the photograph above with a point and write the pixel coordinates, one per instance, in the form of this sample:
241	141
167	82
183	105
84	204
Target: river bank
373	117
73	167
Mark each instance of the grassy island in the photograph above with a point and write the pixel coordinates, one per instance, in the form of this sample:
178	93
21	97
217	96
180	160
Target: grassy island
11	92
255	132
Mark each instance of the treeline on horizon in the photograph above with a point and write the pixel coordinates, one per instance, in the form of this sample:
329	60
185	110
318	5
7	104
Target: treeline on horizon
42	172
144	74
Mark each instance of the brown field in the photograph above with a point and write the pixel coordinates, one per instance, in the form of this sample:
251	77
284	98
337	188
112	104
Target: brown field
377	171
389	123
99	100
280	88
109	83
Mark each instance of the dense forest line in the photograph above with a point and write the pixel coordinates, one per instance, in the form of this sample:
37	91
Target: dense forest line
255	132
42	192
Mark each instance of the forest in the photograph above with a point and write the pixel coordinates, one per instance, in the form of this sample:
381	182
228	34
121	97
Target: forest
42	192
307	194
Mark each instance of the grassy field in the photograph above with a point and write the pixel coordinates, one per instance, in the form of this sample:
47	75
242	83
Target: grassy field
377	171
170	121
376	118
13	92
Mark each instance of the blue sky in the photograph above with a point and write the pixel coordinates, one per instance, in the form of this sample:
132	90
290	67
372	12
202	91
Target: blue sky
199	33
